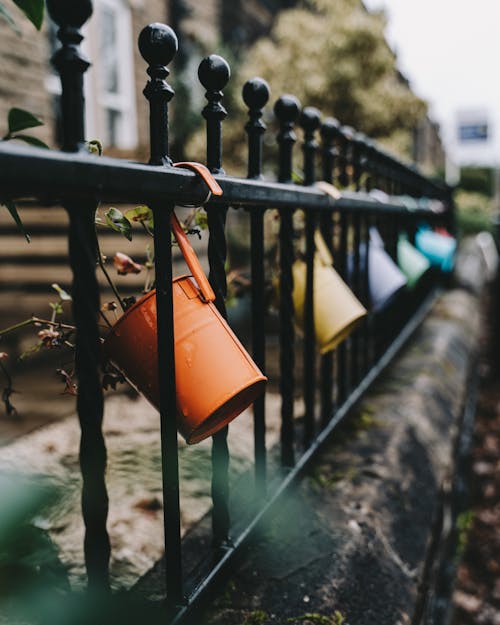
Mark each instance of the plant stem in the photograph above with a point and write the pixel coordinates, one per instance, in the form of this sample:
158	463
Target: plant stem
108	278
33	320
151	234
17	326
110	325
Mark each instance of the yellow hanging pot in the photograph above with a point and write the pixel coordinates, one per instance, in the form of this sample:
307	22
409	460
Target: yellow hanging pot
337	311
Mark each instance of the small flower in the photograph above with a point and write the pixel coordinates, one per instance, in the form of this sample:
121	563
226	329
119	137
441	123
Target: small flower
124	264
49	337
3	355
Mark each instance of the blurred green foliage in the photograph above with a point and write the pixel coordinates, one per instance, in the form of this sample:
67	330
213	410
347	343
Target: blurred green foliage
34	586
474	212
477	179
30	568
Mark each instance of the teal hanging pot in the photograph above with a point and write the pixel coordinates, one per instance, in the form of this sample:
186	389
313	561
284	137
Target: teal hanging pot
437	248
411	262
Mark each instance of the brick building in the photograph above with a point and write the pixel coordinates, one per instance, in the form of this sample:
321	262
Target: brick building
428	150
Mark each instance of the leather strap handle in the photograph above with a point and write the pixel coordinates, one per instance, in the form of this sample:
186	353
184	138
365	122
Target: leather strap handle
185	246
192	260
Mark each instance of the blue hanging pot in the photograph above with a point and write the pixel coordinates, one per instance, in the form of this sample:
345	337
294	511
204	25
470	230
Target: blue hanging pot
437	248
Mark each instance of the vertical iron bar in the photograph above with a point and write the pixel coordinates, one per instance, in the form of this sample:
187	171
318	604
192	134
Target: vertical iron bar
356	342
356	280
343	181
255	96
365	299
71	65
214	74
310	122
328	153
342	348
375	167
369	168
343	156
286	110
368	165
362	182
158	45
347	351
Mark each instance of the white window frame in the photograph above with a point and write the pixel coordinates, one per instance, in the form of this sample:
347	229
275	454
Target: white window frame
98	101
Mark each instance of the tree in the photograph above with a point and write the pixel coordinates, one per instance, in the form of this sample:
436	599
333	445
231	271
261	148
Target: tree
332	54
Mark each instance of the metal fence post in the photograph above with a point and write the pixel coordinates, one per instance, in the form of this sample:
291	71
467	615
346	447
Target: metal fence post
286	110
158	45
309	120
71	65
256	96
214	74
328	132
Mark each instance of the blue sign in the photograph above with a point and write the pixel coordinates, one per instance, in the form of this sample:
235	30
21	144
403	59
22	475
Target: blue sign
473	132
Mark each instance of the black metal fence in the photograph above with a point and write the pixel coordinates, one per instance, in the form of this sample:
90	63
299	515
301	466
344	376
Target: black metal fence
78	180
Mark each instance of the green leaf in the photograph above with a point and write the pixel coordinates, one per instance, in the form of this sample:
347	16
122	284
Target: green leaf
139	213
38	143
201	219
33	9
61	292
12	208
9	19
143	215
56	307
19	119
117	222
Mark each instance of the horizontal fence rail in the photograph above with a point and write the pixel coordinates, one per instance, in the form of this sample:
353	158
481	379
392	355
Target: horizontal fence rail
379	188
111	180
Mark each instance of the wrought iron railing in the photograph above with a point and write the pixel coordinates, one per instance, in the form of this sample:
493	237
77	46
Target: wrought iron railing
77	180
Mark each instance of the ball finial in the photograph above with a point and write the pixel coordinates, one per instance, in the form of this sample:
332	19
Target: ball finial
360	139
73	14
310	119
214	72
347	132
287	108
329	129
158	44
256	93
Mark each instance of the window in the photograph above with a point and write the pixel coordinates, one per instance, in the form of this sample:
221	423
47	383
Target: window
112	115
109	82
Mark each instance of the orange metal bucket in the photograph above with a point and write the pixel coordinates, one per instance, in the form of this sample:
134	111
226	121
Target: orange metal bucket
216	379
